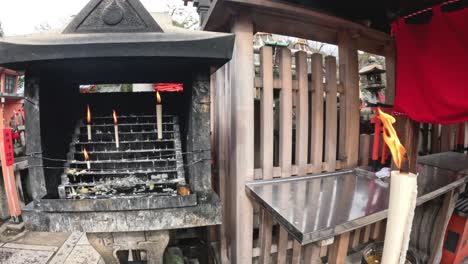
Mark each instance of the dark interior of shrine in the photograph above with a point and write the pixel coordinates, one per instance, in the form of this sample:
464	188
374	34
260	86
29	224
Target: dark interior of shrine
62	106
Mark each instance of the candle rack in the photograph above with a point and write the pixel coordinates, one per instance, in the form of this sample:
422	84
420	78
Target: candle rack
141	165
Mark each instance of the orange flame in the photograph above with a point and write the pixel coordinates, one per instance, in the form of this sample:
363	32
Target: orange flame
158	98
88	114
391	138
85	154
114	115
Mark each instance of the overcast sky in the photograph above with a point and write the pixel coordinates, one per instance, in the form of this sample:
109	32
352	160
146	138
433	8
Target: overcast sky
19	17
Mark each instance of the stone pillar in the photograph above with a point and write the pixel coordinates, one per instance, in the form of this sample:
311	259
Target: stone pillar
36	182
198	139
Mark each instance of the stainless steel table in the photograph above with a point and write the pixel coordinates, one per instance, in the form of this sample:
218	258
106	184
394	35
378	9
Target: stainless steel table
316	207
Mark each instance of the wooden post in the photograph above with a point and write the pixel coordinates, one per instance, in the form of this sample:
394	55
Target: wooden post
350	79
411	141
242	137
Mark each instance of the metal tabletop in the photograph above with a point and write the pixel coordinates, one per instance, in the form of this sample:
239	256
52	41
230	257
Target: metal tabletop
317	207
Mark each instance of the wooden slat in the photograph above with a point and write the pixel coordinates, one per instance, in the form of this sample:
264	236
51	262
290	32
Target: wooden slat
364	149
285	125
376	232
435	143
349	78
285	148
445	135
241	160
282	245
297	251
266	112
266	145
312	254
302	113
366	235
356	238
266	225
295	85
331	113
448	205
316	122
339	249
340	164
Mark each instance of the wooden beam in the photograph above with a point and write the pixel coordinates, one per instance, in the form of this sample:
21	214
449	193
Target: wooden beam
297	250
312	254
349	78
242	137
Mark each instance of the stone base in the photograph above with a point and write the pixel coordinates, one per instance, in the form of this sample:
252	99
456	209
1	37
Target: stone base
154	244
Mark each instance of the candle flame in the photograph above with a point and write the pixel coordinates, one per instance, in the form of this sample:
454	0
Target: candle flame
390	137
88	114
114	115
158	97
85	154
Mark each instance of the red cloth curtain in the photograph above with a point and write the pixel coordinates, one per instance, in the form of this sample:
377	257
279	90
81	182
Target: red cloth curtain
432	67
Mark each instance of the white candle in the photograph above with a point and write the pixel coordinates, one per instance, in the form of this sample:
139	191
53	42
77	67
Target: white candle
159	116
403	194
116	130
159	120
88	164
88	119
89	132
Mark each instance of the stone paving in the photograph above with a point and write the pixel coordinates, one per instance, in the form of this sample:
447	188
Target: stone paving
49	248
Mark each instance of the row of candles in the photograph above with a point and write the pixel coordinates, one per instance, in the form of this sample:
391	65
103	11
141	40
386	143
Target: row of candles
116	126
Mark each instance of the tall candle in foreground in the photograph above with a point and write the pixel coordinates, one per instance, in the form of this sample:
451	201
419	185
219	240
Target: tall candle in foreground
88	120
403	194
116	129
159	115
86	158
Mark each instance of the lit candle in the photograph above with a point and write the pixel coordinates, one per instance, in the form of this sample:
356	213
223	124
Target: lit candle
159	115
402	201
86	157
116	129
88	119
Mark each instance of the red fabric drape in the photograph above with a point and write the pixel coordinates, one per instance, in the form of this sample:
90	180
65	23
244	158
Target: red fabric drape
432	67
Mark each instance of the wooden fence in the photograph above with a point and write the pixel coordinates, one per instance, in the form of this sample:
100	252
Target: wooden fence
306	121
